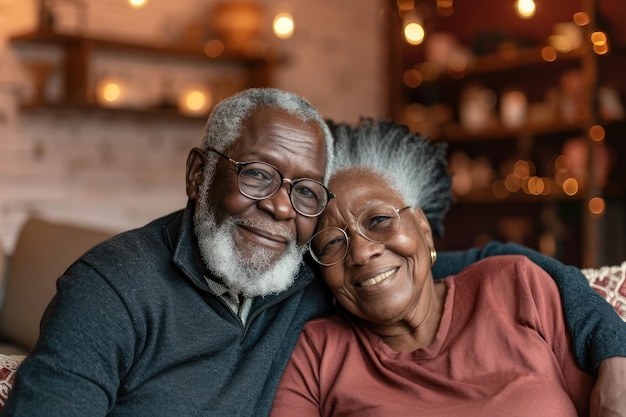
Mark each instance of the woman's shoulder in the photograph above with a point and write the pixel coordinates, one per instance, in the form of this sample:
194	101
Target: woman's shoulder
503	264
504	271
334	327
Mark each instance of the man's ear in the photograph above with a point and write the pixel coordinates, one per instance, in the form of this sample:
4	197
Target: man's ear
195	172
424	226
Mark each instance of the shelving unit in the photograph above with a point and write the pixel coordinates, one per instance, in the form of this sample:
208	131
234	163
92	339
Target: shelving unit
78	53
577	236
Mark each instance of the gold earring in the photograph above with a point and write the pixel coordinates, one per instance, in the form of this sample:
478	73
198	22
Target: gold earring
433	256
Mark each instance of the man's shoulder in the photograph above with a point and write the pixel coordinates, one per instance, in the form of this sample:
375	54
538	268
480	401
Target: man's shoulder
135	244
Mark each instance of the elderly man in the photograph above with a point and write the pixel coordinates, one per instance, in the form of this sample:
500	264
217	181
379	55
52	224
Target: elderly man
197	312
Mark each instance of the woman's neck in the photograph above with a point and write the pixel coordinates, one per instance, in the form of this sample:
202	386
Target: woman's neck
419	332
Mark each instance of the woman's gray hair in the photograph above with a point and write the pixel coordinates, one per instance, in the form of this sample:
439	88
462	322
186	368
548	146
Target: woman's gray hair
413	167
226	121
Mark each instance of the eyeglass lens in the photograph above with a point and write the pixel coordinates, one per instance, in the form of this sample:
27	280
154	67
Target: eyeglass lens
377	224
259	180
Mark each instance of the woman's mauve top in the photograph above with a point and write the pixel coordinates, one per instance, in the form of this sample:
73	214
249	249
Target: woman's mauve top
502	348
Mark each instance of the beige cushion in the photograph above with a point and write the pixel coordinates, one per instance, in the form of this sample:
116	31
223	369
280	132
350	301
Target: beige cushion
42	253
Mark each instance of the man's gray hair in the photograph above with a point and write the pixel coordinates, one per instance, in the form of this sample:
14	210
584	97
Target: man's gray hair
411	165
226	121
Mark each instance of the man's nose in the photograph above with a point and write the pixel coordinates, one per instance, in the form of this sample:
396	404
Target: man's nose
279	204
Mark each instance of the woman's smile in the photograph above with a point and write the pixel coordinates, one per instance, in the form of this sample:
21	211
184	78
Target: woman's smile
377	279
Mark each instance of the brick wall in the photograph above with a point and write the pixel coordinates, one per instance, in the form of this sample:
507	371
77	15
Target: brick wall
118	171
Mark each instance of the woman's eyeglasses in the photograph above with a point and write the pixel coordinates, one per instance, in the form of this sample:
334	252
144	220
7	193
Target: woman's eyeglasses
259	180
377	224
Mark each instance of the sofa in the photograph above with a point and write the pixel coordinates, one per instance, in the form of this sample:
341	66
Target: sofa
44	249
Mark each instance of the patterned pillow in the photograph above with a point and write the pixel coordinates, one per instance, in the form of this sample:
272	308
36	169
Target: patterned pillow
8	366
610	283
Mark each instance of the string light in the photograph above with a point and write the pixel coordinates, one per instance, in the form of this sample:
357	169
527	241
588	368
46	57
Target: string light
137	4
283	25
414	33
525	8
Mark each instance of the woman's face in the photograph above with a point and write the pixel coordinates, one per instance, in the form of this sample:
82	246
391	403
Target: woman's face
380	283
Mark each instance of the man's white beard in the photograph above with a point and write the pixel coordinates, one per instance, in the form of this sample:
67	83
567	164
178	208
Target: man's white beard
249	277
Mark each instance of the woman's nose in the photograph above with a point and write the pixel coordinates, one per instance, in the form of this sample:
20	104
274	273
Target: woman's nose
361	250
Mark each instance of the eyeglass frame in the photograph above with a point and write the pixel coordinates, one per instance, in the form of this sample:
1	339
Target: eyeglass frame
358	230
240	165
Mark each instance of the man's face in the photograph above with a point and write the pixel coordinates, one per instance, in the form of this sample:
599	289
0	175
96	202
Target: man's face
260	236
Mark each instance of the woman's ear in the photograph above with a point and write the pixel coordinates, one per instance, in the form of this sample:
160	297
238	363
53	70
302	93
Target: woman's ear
195	170
424	226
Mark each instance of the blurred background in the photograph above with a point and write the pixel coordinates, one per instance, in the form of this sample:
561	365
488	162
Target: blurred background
101	100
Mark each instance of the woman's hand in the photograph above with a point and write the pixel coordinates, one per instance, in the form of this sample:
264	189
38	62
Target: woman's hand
608	398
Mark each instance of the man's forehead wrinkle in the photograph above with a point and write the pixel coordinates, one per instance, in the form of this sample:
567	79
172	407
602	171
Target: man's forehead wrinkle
286	137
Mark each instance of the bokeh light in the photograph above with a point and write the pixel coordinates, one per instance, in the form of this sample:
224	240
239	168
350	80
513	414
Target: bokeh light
283	25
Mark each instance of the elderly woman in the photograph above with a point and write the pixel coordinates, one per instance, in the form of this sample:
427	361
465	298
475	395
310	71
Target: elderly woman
473	344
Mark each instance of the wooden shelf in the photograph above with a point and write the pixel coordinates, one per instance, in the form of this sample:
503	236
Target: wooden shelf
70	41
486	197
515	60
78	52
149	112
572	79
457	133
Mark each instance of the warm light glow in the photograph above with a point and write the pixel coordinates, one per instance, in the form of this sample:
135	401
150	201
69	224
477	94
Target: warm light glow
601	49
570	186
548	54
512	183
597	206
137	4
414	33
525	8
521	169
445	8
597	133
214	48
412	78
598	38
283	25
560	42
111	92
562	163
581	19
535	186
194	102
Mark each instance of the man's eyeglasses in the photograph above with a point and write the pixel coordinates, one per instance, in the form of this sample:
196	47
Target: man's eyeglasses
259	180
377	224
